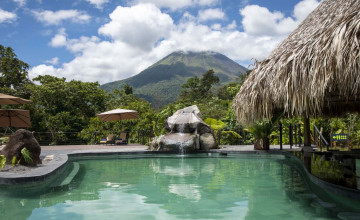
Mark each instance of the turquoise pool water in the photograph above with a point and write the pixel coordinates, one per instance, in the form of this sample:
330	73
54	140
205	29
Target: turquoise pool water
173	187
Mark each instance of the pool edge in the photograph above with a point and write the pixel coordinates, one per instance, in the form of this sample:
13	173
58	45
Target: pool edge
58	164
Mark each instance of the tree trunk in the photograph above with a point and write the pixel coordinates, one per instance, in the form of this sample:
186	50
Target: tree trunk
307	140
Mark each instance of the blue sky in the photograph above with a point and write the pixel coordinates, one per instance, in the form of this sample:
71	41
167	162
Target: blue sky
108	40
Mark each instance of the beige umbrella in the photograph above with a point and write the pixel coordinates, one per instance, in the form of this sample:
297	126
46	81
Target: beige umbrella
15	118
11	100
118	114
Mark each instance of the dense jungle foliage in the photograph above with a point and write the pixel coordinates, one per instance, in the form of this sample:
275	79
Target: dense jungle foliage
60	107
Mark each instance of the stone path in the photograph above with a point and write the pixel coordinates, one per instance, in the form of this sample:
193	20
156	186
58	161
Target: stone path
66	149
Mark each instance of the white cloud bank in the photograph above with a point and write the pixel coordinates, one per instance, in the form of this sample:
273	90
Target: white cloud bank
141	34
48	17
7	17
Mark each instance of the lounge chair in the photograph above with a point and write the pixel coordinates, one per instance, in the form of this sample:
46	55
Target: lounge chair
108	140
122	139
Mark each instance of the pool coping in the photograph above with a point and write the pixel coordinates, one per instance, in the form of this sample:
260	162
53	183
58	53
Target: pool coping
59	162
39	174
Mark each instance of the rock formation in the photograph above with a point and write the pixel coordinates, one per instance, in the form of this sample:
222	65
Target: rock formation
22	139
187	131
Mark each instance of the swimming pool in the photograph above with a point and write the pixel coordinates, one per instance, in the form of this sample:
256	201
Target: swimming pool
198	186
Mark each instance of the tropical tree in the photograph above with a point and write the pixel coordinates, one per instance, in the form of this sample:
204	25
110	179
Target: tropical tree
13	73
196	89
60	106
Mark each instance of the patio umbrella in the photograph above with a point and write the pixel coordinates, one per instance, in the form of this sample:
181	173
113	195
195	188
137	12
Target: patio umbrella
11	100
15	118
118	114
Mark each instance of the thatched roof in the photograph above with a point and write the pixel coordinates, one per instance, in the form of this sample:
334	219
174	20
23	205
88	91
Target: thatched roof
314	71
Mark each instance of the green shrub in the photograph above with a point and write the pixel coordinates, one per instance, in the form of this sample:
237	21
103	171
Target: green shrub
2	161
229	137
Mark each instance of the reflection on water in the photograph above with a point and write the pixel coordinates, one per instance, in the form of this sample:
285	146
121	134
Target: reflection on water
334	168
188	191
244	187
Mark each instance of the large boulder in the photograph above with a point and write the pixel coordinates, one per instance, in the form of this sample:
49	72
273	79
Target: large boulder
22	139
186	131
207	141
187	120
179	141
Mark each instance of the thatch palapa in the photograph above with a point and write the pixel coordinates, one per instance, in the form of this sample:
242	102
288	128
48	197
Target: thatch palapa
314	71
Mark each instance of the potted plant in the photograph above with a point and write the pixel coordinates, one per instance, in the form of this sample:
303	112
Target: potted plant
261	130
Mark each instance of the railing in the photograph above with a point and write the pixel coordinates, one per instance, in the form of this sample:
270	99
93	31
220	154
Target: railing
74	138
319	139
144	136
295	135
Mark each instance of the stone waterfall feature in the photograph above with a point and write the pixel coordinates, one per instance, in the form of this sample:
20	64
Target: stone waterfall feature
187	131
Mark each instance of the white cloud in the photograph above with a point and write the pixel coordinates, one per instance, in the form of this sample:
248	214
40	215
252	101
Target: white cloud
45	70
104	62
177	4
142	34
59	40
258	20
20	2
139	26
211	14
57	17
216	26
53	61
232	25
98	3
79	45
244	2
303	8
7	17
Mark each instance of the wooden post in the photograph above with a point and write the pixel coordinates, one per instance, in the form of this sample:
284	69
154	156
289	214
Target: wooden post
314	135
290	136
280	128
295	135
321	131
307	140
299	133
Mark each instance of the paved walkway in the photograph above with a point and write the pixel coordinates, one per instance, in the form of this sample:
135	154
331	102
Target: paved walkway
65	149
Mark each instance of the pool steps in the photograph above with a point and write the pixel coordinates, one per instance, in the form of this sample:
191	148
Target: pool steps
70	177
